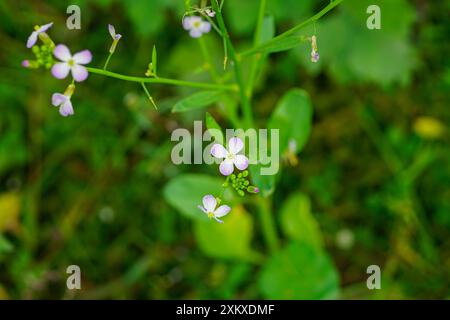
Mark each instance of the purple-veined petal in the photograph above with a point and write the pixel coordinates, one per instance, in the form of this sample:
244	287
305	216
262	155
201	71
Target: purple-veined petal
32	39
222	211
235	145
66	108
226	167
45	27
79	73
209	203
60	70
203	209
205	27
62	53
112	30
58	99
82	57
187	23
195	33
241	162
117	37
26	63
218	151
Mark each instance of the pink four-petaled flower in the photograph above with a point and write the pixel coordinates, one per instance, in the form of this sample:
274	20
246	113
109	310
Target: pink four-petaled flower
209	207
71	63
230	156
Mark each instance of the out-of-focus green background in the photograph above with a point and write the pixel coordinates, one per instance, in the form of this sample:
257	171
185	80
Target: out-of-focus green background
372	182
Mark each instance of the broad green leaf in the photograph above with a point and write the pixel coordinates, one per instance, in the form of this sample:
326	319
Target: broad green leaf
299	271
185	193
265	183
139	12
229	240
293	117
235	10
197	100
214	127
298	223
353	53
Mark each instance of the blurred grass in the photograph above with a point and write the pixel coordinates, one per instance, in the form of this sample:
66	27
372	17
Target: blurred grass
87	190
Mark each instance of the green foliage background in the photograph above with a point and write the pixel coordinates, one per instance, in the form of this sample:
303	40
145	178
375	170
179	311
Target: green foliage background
98	189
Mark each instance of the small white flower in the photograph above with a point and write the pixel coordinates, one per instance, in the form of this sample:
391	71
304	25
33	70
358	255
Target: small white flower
196	26
34	35
112	32
62	100
209	207
230	156
71	63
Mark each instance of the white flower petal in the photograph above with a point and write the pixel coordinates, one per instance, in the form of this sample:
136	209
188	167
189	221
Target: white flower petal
203	209
195	33
226	167
222	211
241	162
112	30
79	73
62	53
209	203
187	23
66	108
60	70
32	39
218	151
45	27
205	27
82	57
235	145
58	99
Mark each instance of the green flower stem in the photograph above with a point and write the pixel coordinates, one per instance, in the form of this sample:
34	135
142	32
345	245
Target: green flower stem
148	95
295	29
107	60
245	101
159	80
268	224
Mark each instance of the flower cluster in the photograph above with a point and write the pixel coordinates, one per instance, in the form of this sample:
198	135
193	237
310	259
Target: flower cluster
239	182
67	63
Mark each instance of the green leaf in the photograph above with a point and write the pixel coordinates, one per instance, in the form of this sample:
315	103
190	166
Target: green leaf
140	12
384	56
299	271
298	223
229	240
265	183
283	44
293	117
211	124
154	61
267	29
197	100
185	193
